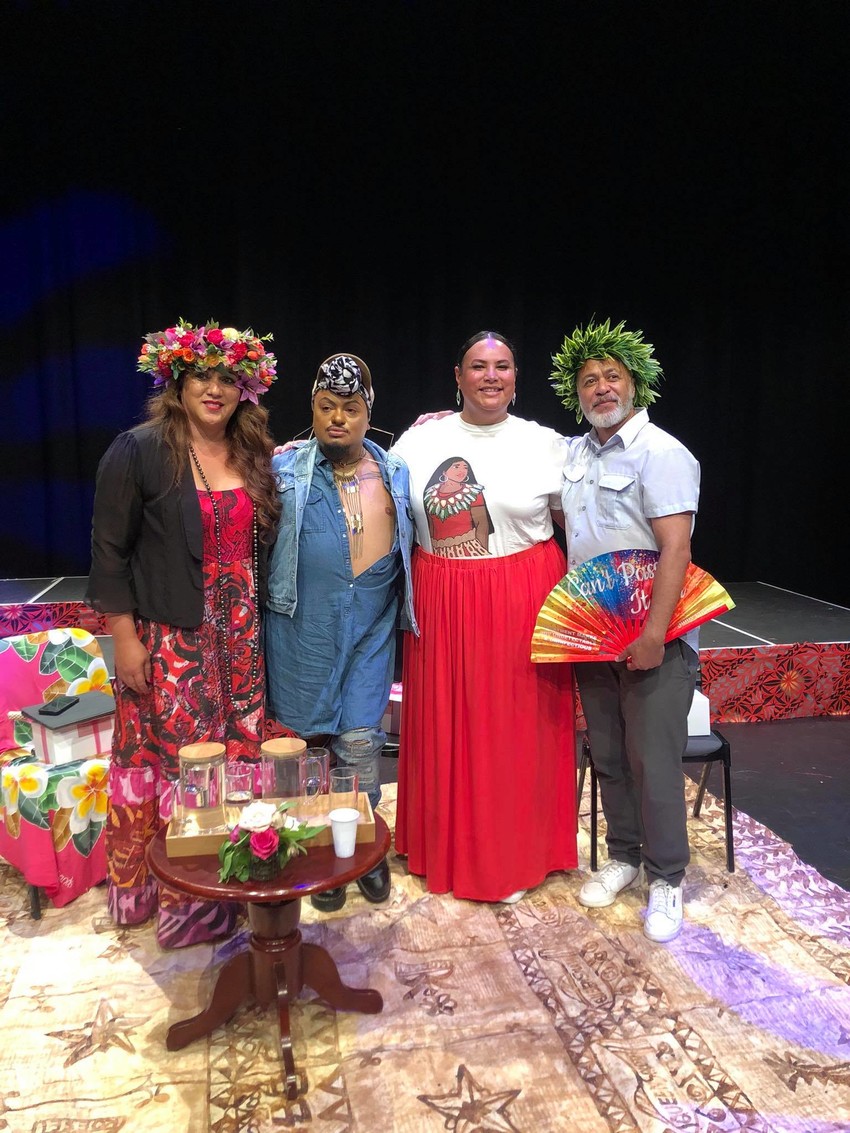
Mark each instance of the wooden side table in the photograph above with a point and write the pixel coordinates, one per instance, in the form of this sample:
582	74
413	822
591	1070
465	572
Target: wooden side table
278	963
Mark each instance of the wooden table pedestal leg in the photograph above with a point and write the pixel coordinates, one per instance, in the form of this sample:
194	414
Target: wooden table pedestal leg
322	975
232	988
276	949
274	970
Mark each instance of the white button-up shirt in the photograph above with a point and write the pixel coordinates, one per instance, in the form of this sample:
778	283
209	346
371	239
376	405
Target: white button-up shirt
612	491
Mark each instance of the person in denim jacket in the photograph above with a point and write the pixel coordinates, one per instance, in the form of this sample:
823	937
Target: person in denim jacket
339	576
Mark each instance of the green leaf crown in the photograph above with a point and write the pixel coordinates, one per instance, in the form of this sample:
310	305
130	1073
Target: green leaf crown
601	340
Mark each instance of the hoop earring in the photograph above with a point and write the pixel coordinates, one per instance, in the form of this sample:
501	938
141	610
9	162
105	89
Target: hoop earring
442	477
457	395
384	432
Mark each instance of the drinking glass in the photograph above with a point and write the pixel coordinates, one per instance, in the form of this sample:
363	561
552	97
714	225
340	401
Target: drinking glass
344	813
315	764
342	788
238	784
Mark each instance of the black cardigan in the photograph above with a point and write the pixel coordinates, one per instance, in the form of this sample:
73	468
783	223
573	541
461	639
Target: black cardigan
147	539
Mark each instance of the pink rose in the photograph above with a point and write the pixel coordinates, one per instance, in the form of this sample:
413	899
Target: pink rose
215	336
264	844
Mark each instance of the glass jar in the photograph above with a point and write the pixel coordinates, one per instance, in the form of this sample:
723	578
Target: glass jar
201	787
282	770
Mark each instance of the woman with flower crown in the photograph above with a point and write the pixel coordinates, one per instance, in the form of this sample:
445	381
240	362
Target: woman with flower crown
185	511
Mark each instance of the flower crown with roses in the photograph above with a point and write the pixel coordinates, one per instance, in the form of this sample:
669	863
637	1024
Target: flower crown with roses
601	340
168	353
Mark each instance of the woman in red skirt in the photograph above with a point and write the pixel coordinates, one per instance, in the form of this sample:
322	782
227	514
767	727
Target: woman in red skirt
486	804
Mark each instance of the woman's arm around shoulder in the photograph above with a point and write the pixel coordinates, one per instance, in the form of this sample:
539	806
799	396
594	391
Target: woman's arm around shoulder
419	433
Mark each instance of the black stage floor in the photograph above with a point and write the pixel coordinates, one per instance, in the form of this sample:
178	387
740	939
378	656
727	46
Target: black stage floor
791	775
769	615
69	588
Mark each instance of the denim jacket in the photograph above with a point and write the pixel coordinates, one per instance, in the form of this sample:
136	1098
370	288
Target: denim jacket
294	472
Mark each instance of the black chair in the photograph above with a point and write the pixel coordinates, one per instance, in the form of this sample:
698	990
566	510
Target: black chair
708	750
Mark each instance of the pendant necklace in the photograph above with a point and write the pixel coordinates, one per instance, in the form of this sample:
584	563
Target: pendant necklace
222	620
348	486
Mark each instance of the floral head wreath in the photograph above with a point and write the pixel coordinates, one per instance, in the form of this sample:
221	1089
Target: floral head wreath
601	340
168	353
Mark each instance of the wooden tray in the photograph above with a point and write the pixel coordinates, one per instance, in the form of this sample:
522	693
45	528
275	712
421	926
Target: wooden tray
216	824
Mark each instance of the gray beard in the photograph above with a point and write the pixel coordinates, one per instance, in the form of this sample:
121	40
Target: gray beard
609	418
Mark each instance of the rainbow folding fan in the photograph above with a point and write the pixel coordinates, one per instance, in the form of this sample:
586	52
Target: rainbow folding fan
599	608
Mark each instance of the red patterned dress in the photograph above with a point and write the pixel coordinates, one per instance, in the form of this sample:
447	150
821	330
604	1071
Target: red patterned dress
206	686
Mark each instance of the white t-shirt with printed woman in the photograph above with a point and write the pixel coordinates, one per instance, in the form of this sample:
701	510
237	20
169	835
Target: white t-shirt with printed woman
499	503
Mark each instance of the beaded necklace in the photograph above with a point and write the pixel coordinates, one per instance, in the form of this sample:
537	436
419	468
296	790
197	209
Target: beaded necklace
443	506
348	486
222	604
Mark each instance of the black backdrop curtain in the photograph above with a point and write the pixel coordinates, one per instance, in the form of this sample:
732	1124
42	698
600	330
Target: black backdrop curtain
388	178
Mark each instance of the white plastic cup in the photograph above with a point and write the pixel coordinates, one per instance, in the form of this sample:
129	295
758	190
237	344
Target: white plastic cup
344	828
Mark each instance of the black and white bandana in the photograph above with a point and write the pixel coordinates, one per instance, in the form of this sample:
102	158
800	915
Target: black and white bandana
342	376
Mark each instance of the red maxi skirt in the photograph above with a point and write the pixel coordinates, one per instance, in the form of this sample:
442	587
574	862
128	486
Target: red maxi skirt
487	781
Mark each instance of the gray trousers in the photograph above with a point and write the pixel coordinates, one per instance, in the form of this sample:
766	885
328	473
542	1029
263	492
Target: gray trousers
637	724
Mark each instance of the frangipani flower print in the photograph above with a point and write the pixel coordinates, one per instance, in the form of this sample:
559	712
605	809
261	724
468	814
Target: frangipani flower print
95	680
80	637
27	779
85	795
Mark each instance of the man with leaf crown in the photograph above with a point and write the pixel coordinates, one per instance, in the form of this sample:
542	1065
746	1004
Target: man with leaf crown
629	484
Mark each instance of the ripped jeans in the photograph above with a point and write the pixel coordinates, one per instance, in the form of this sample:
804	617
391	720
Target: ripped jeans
360	749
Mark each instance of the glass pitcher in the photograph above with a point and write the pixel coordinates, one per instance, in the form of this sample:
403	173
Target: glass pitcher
282	763
292	771
201	787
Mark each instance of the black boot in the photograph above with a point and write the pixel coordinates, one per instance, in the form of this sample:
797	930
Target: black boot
330	900
375	885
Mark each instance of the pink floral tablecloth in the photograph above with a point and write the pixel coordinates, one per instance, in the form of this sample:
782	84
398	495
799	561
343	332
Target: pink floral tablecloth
52	821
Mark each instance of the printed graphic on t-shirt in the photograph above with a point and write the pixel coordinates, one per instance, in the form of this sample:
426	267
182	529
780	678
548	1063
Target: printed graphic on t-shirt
458	520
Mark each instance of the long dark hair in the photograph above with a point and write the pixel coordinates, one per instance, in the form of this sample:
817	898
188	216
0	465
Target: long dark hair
444	467
251	447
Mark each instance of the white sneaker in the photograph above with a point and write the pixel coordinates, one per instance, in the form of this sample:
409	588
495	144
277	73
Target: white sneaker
664	912
611	880
512	898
